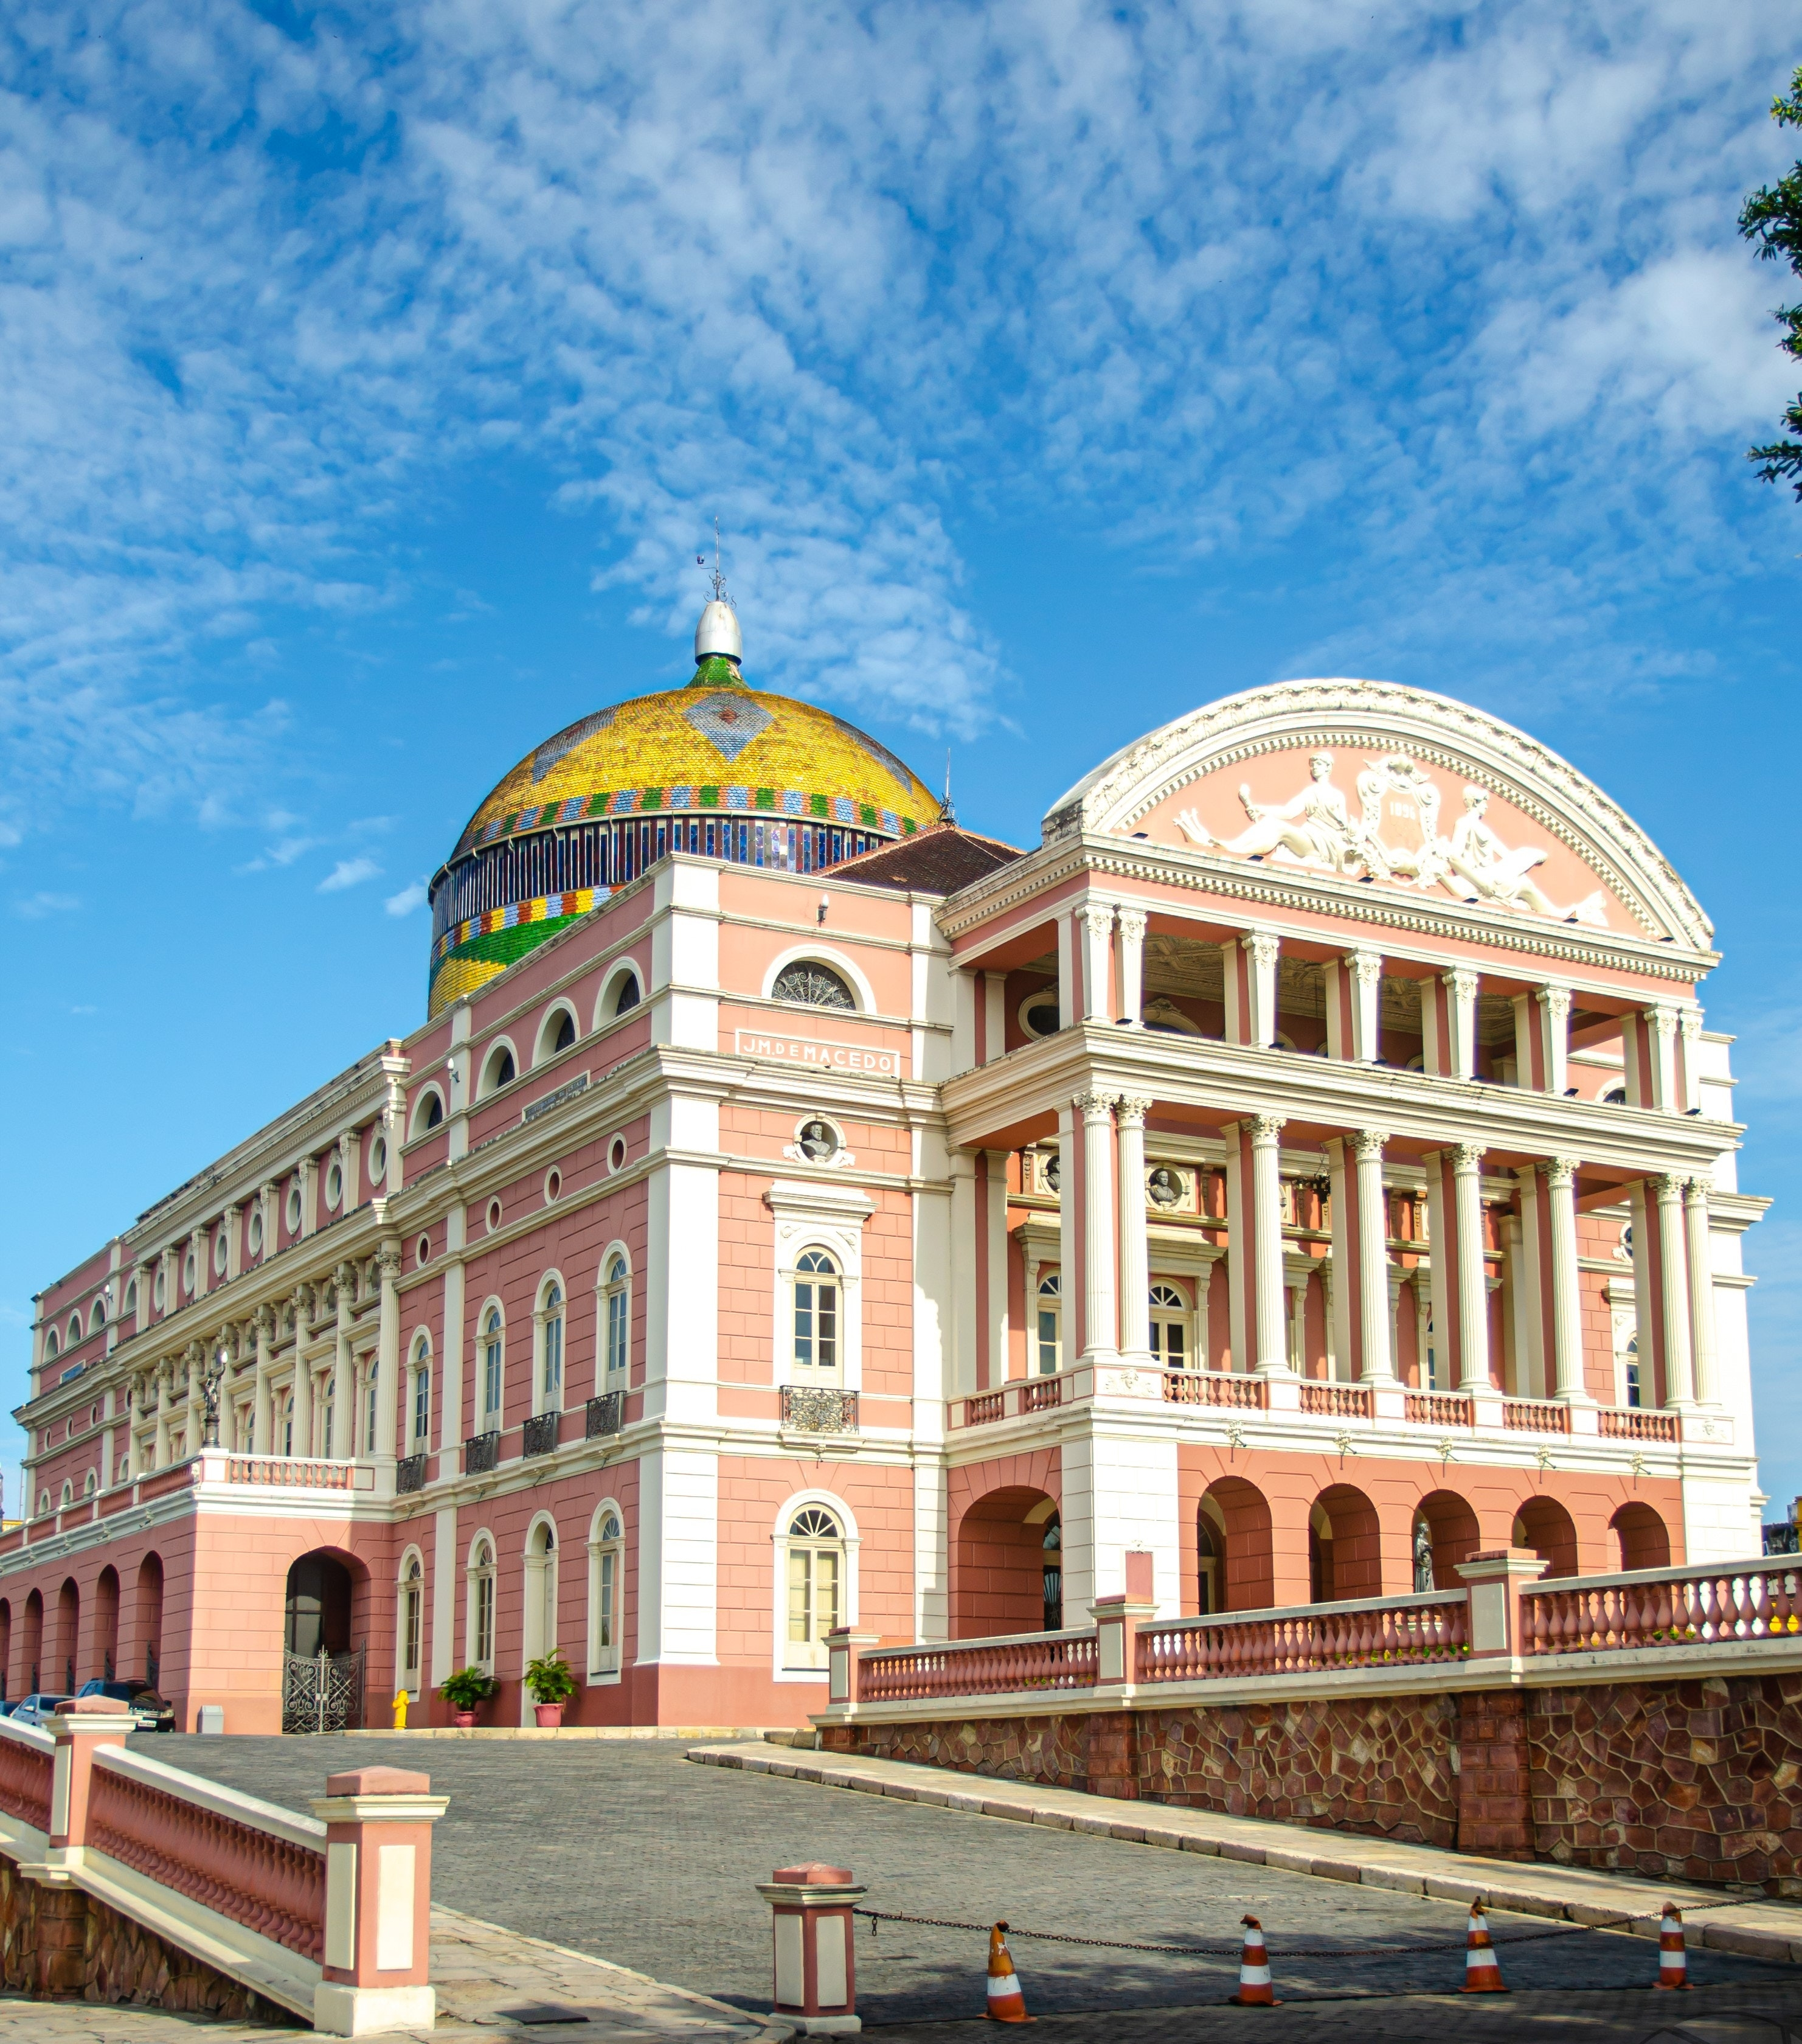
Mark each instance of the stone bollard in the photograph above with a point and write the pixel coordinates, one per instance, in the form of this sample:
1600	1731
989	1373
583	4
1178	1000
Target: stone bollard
378	1824
816	1971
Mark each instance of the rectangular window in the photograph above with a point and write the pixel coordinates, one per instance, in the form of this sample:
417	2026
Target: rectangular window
1048	1341
422	1407
1632	1372
490	1385
604	1629
484	1654
616	1331
411	1629
553	1356
813	1602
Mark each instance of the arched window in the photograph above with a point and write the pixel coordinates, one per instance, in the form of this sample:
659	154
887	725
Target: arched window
1210	1551
816	1579
288	1424
52	1348
411	1614
43	1504
372	1411
606	1566
550	1318
1170	1326
74	1329
500	1071
1630	1372
816	1314
620	994
558	1033
1051	1570
90	1483
1615	1096
97	1319
627	996
481	1620
422	1395
810	984
429	1113
619	1312
493	1342
132	1296
1047	1335
541	1591
68	1496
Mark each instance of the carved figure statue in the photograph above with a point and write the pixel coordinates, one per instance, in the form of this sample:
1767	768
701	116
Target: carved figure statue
1313	827
1423	1555
1491	872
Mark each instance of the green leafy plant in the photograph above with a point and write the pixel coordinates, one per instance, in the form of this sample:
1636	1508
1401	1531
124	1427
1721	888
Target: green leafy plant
1772	218
467	1689
551	1679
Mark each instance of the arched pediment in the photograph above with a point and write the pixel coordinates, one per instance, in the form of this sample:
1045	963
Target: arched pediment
1418	792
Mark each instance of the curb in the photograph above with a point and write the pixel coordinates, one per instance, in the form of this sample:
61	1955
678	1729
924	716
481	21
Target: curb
1760	1931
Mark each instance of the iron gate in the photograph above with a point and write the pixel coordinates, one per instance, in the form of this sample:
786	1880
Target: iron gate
322	1693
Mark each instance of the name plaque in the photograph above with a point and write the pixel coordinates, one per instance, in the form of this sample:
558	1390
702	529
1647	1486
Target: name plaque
858	1057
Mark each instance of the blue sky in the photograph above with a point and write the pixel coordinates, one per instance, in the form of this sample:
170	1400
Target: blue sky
369	380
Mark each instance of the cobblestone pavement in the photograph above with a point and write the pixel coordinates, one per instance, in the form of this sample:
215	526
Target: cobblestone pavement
626	1850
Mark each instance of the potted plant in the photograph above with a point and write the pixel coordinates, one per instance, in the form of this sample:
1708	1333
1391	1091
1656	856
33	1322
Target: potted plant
552	1685
464	1691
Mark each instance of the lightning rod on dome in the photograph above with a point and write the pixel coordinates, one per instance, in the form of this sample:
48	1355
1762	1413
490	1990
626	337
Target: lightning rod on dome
718	636
947	814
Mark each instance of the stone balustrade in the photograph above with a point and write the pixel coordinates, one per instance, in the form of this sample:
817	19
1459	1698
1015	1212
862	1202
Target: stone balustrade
1694	1607
25	1768
979	1667
1430	1625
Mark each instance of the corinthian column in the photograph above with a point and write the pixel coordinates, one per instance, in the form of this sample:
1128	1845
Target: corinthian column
1271	1352
262	1421
344	1368
1560	1176
1373	1258
1098	1331
303	1378
1130	953
1098	941
388	1347
1473	1292
1135	1262
1699	1262
1673	1290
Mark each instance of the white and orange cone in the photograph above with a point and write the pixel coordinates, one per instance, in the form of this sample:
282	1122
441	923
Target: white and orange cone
1481	1974
1006	2003
1674	1960
1255	1989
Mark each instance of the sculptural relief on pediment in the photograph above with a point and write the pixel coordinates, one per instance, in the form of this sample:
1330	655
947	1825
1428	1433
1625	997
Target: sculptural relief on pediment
1382	817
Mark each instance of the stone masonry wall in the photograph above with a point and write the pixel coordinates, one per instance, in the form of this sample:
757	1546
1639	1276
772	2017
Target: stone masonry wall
60	1943
1685	1781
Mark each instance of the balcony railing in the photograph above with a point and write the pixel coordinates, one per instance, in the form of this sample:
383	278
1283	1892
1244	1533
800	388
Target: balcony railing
1337	1401
1437	1408
605	1415
481	1453
814	1408
979	1667
292	1473
409	1474
1661	1607
1534	1415
539	1433
1239	1389
1431	1627
1633	1423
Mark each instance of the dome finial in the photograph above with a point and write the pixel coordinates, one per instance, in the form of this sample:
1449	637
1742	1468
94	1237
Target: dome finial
717	636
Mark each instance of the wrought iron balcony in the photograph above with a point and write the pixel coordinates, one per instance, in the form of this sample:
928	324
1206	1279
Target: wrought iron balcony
481	1453
541	1432
409	1474
606	1415
812	1408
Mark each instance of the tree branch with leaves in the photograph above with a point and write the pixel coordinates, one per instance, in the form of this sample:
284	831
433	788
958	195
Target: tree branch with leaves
1772	218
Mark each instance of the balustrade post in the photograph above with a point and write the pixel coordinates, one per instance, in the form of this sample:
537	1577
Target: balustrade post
378	1824
813	1928
1497	1578
845	1651
1118	1619
78	1726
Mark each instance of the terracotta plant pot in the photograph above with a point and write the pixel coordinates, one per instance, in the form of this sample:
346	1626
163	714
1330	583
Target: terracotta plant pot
462	1719
550	1715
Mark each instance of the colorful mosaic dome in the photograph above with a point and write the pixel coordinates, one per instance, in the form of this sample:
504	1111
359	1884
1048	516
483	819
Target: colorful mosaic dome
714	767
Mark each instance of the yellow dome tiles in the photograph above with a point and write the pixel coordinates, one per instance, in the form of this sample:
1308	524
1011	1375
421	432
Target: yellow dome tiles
714	744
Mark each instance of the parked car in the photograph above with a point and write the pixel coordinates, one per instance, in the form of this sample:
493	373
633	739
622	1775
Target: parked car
6	1708
152	1712
38	1709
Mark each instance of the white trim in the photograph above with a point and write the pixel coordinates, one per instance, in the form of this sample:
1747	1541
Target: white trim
831	956
624	968
415	1120
819	1214
490	1051
542	1050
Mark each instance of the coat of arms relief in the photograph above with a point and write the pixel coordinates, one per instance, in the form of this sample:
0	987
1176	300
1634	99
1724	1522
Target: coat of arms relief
1394	836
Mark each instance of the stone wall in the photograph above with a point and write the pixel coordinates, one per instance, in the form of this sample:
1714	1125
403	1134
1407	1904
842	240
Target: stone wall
1696	1781
58	1942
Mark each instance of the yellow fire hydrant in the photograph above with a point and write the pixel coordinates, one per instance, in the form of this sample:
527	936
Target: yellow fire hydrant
400	1710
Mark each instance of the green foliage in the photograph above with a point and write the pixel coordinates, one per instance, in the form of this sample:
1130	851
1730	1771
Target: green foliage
467	1689
1772	218
550	1680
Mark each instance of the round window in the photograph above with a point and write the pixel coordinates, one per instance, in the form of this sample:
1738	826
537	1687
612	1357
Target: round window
493	1216
334	1185
188	1272
160	1291
1038	1012
616	1154
379	1160
553	1186
422	1254
256	1233
819	1140
293	1209
221	1247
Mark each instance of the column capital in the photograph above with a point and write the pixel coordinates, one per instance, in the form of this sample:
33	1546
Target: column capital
1669	1187
1263	946
1466	1157
1131	1109
1462	980
387	1262
1555	1000
344	1283
1662	1021
1131	923
1689	1020
263	1321
1094	1108
1266	1128
1097	917
1366	966
1560	1173
1368	1142
1696	1193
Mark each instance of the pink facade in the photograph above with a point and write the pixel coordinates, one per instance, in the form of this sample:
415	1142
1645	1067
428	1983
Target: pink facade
1305	1213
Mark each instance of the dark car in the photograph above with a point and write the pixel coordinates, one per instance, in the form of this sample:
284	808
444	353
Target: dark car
151	1712
38	1709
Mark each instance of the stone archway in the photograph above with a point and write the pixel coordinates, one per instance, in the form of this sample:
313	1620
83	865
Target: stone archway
999	1562
1452	1536
1345	1551
1543	1524
1237	1515
1642	1538
322	1673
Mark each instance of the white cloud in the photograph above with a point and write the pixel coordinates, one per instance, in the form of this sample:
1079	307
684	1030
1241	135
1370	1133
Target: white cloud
35	907
348	873
409	898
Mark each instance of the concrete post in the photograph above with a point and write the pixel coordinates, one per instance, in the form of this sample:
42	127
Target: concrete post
378	1824
812	1929
845	1650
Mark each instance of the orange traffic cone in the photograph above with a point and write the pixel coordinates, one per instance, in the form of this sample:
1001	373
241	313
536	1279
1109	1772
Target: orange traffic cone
1254	1990
1674	1960
1006	2003
1481	1974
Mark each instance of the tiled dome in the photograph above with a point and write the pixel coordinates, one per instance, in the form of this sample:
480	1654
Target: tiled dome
715	768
